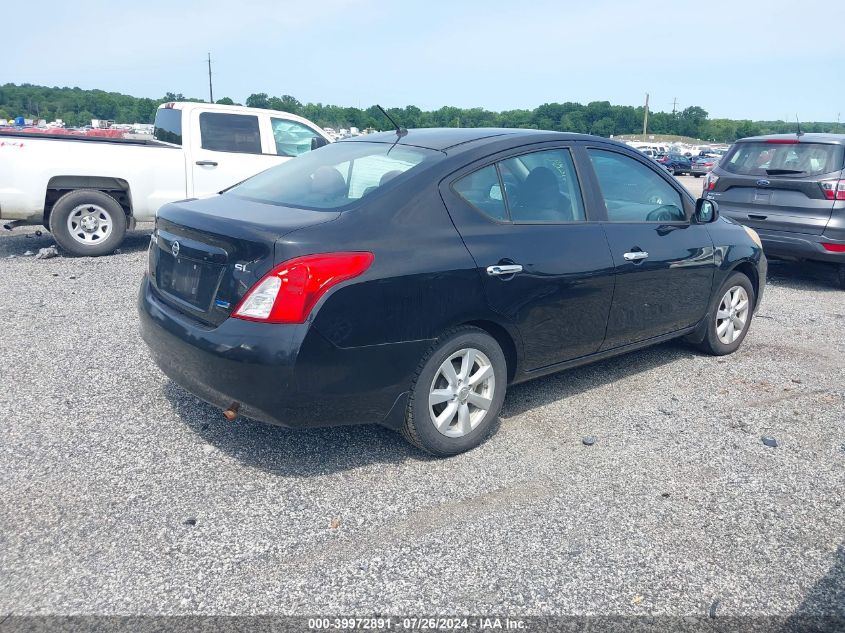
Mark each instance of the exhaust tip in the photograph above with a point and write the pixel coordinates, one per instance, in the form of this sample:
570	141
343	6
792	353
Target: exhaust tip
231	413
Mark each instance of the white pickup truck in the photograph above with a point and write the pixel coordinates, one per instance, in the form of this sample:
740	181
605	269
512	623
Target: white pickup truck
88	191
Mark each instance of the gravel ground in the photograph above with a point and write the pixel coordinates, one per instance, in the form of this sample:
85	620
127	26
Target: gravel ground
122	494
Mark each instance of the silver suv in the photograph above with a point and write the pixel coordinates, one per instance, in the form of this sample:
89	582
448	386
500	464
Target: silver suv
789	188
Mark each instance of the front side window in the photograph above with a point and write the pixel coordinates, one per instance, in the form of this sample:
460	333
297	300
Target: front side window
336	176
292	138
634	192
543	187
223	132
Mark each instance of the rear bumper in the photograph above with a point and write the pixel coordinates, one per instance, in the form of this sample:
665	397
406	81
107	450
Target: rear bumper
789	245
287	375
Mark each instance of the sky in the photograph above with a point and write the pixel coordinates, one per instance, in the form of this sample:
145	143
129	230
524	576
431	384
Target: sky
743	59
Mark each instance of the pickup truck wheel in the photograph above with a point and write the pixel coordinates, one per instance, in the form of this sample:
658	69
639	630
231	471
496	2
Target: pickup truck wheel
88	223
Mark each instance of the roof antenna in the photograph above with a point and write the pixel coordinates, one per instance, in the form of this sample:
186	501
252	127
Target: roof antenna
798	123
400	131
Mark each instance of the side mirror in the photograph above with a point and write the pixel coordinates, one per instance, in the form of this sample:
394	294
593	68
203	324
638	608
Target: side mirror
317	142
706	211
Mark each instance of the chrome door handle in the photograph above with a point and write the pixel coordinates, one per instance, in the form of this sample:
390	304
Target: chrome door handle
635	256
503	269
207	163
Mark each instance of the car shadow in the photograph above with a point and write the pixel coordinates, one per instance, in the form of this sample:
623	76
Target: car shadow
17	242
823	608
803	275
321	451
571	382
290	452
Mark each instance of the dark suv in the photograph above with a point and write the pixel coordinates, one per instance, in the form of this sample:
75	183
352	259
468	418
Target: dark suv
789	188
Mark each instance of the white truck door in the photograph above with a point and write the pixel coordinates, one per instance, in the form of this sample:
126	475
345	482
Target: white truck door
226	149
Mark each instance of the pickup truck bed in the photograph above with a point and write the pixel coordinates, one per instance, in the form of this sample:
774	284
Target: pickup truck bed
89	190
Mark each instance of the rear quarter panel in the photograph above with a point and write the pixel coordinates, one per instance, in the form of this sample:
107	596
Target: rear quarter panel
369	335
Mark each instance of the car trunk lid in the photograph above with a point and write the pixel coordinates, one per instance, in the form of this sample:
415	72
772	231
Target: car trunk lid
206	254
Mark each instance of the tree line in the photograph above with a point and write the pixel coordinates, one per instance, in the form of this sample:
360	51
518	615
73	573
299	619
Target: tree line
77	107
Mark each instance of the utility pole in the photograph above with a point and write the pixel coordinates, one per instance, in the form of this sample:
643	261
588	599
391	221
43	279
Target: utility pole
645	116
210	93
674	106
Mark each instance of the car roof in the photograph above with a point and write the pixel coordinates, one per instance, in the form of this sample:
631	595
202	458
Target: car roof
442	139
807	137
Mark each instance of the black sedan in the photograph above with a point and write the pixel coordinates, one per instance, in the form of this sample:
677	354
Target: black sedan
678	164
406	279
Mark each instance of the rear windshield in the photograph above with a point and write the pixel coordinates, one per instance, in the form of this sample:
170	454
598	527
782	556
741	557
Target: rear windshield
775	159
333	176
168	125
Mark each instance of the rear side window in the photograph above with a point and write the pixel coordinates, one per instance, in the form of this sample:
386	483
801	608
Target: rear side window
544	187
292	138
168	126
481	189
779	159
221	132
538	187
634	192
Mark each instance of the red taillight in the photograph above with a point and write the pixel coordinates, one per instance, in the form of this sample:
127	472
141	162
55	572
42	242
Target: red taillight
710	181
708	164
783	141
288	292
834	248
833	189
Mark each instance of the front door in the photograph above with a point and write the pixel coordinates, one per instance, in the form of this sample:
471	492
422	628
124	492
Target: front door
545	267
664	263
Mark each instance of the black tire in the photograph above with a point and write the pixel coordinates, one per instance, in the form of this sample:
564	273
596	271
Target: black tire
674	171
711	343
101	204
419	428
842	276
697	175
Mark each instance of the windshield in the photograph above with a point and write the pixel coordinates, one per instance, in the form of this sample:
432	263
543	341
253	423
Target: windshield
790	159
333	176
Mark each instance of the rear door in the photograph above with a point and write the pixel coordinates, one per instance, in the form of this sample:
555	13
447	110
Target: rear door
664	264
775	184
545	264
228	148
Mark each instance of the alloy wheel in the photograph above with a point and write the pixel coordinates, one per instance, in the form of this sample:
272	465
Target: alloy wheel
461	392
732	315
